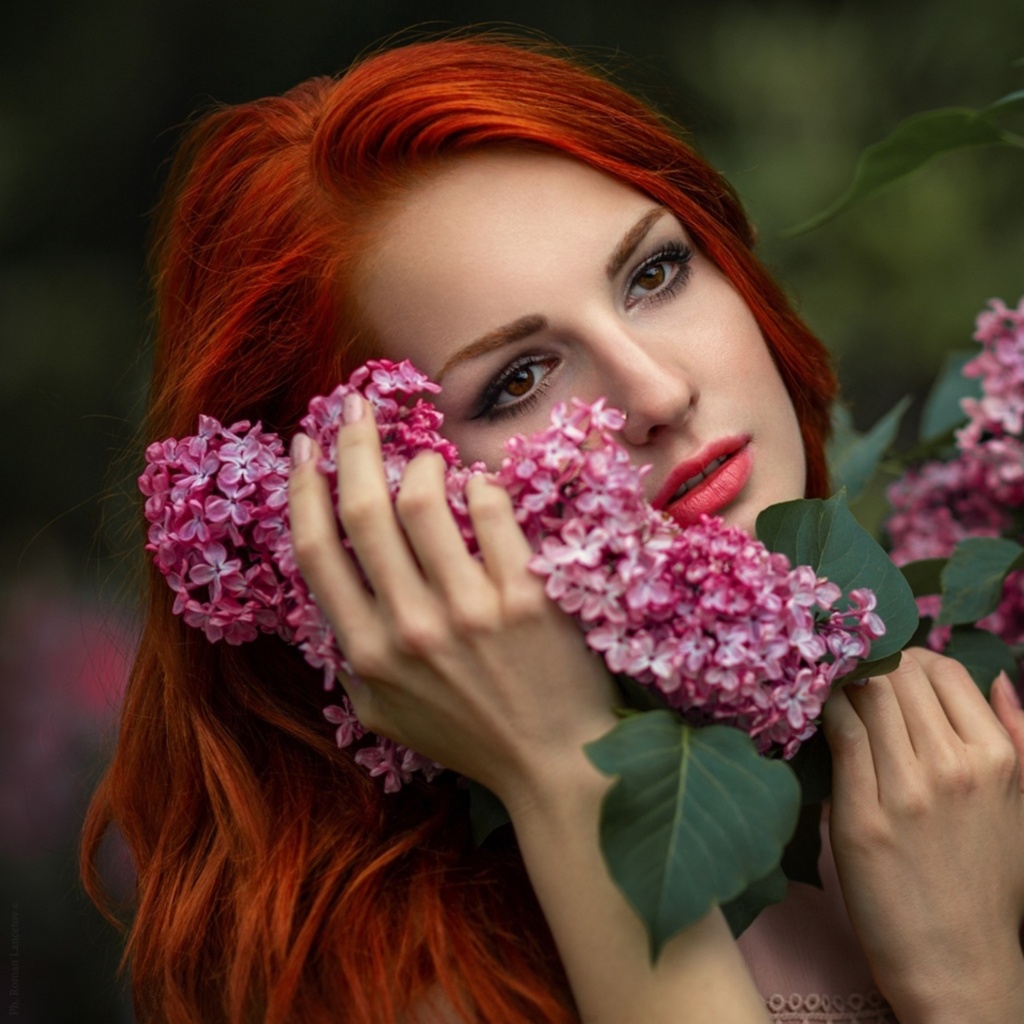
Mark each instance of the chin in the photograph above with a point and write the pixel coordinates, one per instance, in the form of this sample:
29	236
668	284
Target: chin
746	518
747	523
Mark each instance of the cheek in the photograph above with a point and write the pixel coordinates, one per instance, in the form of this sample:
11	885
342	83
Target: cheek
787	458
794	457
476	446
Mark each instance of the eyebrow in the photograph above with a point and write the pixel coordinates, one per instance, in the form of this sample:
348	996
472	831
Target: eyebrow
633	237
534	322
515	331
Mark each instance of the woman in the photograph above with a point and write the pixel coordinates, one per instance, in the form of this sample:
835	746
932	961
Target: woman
523	231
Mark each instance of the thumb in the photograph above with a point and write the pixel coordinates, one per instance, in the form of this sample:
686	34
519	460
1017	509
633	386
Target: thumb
1006	703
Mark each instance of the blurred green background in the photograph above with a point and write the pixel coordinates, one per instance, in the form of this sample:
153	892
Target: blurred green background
780	95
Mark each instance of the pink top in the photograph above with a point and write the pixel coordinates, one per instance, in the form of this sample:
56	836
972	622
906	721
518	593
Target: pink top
806	960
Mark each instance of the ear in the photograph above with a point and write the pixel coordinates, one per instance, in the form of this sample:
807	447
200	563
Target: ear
1006	703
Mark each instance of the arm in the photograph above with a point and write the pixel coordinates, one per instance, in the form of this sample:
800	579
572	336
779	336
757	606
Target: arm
469	663
928	832
700	975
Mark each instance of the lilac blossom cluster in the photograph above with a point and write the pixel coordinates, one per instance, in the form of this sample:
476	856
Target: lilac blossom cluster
217	506
980	491
217	510
721	628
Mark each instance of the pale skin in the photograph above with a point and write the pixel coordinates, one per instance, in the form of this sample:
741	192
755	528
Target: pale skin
469	663
927	825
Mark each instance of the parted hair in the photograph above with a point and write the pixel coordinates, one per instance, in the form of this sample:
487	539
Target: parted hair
276	882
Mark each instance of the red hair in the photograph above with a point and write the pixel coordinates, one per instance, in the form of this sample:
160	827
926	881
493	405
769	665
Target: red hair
275	881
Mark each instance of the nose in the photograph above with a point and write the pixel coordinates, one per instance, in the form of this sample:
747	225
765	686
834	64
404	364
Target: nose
647	380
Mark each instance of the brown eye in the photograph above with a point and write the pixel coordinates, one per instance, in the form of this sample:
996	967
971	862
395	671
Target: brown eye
651	278
660	276
518	386
520	382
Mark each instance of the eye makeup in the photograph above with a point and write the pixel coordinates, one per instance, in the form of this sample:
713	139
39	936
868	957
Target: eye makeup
676	255
491	408
657	278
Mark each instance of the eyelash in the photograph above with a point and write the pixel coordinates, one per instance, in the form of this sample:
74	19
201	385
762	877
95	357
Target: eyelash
489	407
674	253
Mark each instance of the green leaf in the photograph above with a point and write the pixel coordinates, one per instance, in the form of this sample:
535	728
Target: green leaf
942	447
983	654
826	536
639	697
910	145
853	458
1012	101
843	432
695	817
942	411
972	581
924	576
486	812
740	912
875	667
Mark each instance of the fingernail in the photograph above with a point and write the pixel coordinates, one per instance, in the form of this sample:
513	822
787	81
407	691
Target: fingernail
1009	689
352	408
478	476
302	449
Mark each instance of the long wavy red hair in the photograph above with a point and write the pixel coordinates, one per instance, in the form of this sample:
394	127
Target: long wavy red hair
275	881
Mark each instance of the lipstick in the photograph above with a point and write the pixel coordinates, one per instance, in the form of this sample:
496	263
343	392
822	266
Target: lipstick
708	482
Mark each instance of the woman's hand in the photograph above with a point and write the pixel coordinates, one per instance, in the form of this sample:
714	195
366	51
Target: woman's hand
469	663
1006	704
927	828
465	661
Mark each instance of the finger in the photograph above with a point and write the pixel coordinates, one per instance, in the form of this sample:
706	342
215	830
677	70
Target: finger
1007	706
503	546
366	511
432	532
362	696
891	750
323	562
924	715
854	780
964	704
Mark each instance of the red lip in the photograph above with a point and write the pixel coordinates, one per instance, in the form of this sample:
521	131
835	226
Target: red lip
717	490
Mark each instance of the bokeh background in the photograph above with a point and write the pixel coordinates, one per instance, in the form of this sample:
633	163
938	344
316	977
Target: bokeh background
781	95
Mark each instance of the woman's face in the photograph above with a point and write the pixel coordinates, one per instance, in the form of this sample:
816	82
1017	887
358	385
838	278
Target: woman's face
518	279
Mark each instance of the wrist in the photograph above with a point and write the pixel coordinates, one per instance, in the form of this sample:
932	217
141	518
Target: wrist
560	787
985	989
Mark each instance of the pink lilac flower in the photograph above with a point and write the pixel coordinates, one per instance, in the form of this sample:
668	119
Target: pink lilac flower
980	491
205	526
721	628
683	609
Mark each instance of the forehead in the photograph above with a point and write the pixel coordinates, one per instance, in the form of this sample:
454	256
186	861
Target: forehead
484	234
526	179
